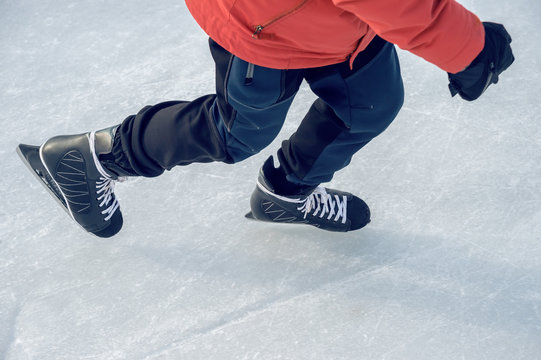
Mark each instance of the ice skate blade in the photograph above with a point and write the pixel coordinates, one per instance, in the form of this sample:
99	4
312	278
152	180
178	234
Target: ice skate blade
30	156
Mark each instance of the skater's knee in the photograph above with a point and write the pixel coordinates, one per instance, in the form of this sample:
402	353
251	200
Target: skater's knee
240	149
379	115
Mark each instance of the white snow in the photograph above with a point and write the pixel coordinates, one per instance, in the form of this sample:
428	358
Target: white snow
449	268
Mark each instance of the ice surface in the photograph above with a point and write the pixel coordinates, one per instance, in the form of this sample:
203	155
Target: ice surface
449	268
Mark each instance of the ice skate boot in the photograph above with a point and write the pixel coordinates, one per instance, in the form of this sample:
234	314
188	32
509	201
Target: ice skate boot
79	171
321	207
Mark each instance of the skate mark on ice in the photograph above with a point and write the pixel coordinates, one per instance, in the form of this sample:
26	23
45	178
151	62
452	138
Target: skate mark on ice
253	309
11	326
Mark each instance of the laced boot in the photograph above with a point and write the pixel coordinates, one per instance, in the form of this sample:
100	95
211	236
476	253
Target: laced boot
277	200
86	185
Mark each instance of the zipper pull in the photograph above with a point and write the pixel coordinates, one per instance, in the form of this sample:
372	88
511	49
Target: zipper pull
257	31
249	78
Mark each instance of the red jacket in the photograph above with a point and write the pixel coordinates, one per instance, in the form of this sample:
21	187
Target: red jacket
289	34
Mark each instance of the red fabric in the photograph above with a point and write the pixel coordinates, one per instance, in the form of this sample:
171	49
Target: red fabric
311	33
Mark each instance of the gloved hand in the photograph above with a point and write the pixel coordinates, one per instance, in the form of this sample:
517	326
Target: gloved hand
484	70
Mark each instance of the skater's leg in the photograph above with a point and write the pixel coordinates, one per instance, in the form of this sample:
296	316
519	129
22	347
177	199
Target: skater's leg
243	117
354	106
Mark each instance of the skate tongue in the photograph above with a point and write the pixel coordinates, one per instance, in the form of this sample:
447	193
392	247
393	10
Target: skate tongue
92	143
109	153
275	179
291	199
116	171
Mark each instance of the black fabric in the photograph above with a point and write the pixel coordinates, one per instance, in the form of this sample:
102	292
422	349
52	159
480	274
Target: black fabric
195	138
208	129
365	56
222	60
362	59
116	161
317	130
173	133
353	106
485	69
277	179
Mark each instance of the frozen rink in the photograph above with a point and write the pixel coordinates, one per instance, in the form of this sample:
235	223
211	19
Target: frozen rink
449	268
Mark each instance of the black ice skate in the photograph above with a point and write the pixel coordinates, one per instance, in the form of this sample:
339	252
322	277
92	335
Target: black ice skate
68	166
324	208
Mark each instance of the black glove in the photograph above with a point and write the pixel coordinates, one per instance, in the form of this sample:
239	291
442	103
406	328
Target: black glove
484	70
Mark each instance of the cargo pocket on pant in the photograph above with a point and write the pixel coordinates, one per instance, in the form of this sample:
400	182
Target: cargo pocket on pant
375	92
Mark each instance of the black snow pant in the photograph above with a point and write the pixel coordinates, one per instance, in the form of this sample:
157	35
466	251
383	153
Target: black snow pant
250	105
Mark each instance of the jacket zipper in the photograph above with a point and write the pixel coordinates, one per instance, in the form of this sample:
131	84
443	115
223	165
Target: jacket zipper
259	28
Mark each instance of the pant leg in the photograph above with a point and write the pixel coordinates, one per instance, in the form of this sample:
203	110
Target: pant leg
260	98
353	107
244	116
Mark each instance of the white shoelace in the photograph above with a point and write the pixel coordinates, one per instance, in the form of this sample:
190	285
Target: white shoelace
322	203
106	185
106	188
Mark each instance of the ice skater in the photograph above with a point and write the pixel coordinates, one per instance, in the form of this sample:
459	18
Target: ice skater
263	50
